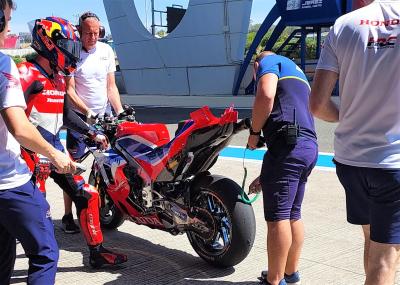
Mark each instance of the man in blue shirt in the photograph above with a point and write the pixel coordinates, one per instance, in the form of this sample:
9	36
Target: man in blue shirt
281	112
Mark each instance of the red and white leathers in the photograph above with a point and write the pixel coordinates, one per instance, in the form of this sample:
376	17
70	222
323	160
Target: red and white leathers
39	167
45	110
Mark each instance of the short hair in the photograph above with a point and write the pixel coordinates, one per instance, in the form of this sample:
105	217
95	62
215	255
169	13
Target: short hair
263	54
10	3
87	15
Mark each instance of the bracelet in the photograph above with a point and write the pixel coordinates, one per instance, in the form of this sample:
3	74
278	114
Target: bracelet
253	133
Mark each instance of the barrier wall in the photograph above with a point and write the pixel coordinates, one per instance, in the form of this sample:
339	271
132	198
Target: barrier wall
202	56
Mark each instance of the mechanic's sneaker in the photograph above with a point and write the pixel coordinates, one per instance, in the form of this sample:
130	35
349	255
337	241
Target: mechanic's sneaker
99	256
293	279
265	282
68	224
263	279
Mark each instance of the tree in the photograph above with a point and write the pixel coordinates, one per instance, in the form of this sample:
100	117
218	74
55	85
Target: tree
310	42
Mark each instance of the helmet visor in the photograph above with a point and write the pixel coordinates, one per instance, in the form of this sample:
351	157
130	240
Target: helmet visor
72	47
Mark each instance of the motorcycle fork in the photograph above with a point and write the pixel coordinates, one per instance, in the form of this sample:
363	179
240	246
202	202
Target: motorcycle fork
100	190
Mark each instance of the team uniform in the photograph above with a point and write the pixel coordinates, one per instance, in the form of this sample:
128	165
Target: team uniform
45	110
367	140
286	167
91	87
24	213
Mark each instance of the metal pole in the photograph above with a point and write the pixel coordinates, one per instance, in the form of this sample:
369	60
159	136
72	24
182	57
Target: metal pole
153	27
318	49
303	48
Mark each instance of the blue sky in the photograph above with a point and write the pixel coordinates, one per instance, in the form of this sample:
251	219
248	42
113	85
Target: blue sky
28	10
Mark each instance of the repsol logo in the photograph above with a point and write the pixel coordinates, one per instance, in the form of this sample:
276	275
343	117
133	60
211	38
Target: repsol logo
377	23
382	42
53	92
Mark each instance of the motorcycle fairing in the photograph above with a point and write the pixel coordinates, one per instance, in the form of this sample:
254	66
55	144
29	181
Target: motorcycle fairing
111	161
156	134
159	162
154	159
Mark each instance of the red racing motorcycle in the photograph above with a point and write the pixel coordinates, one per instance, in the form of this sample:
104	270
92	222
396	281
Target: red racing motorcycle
164	183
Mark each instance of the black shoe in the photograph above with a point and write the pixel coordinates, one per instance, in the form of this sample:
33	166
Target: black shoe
68	224
263	279
100	256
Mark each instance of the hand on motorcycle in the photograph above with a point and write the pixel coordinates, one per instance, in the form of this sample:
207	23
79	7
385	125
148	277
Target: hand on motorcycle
91	117
62	162
102	141
99	138
128	111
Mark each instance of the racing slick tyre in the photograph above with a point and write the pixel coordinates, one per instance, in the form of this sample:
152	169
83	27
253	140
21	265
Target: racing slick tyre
230	221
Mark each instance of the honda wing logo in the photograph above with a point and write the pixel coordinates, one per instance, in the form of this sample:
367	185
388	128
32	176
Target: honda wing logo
12	81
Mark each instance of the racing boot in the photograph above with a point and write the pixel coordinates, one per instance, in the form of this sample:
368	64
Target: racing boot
100	256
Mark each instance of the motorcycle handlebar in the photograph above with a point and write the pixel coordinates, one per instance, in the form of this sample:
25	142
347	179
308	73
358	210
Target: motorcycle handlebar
80	168
242	125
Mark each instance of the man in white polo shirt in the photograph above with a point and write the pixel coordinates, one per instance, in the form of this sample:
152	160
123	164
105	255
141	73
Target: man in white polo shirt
363	51
92	85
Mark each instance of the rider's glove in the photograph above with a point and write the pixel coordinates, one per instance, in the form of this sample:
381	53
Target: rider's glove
122	115
99	138
128	111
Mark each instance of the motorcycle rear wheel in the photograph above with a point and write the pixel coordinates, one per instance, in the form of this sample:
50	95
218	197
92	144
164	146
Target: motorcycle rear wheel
233	222
109	214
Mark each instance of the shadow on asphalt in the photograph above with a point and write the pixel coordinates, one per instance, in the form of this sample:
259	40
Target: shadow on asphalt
148	263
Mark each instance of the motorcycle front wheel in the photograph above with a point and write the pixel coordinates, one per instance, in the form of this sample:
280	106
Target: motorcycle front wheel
231	221
109	214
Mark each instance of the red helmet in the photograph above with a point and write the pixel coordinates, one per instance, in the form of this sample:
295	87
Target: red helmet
56	39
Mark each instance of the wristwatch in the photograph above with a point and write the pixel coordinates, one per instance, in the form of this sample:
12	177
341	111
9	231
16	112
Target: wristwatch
253	133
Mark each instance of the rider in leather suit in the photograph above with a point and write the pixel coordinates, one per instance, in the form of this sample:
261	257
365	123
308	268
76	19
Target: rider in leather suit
58	47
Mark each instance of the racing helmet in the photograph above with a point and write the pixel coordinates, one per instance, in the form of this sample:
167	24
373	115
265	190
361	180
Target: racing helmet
57	40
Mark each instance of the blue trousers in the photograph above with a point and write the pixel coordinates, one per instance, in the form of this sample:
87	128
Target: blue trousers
25	215
284	175
373	198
